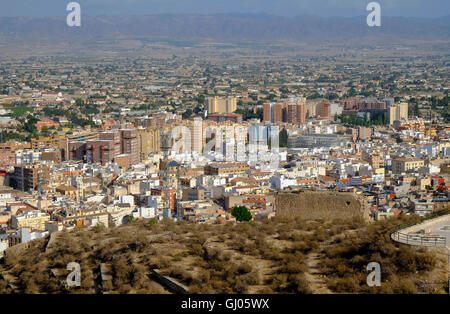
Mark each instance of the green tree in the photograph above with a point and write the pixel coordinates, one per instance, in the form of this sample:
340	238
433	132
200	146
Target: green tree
260	113
201	99
30	125
249	113
79	102
283	138
314	96
187	114
241	213
351	92
45	131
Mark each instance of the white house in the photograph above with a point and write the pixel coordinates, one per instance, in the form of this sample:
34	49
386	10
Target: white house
280	182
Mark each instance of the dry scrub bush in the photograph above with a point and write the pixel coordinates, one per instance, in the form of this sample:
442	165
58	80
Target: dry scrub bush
404	286
279	220
346	261
278	282
4	288
196	249
178	257
203	276
180	274
195	289
211	253
251	278
160	239
240	286
285	235
108	286
244	268
222	238
123	271
266	290
356	223
52	286
293	268
142	243
272	253
198	237
304	246
226	256
239	244
298	284
160	262
124	289
204	228
59	260
345	285
267	228
140	279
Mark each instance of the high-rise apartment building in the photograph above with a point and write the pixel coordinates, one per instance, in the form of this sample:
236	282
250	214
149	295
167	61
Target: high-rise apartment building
197	138
111	145
129	143
28	177
104	149
398	112
274	113
324	109
267	112
149	141
230	140
279	113
224	136
55	142
294	112
311	110
221	104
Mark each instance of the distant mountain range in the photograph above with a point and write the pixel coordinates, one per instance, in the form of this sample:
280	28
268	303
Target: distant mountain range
223	28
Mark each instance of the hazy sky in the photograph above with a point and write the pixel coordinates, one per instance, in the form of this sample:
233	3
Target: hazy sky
417	8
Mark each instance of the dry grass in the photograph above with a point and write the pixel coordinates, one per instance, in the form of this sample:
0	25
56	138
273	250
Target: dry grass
267	257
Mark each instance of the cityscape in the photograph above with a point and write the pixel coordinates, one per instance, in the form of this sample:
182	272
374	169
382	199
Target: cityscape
204	167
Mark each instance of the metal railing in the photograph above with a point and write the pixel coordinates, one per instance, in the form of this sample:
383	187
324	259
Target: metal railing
418	239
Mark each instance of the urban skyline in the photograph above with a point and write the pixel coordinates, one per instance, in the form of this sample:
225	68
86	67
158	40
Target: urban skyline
238	158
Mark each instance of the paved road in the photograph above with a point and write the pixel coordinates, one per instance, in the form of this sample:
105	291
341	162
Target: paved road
435	233
441	229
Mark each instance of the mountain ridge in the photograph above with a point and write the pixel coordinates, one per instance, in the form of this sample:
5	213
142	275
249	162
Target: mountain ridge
228	27
103	32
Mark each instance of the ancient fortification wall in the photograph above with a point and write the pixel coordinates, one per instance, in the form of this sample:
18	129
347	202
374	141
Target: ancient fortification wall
320	205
